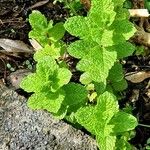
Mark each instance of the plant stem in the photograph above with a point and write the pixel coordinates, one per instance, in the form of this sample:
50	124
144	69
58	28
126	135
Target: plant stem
71	8
144	125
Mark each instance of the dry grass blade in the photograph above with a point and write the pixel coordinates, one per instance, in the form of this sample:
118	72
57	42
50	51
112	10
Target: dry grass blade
138	13
39	4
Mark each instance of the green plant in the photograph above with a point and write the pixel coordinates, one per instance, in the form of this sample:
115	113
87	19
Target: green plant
148	144
147	4
9	66
103	39
73	5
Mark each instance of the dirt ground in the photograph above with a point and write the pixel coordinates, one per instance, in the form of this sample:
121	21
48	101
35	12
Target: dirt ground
14	25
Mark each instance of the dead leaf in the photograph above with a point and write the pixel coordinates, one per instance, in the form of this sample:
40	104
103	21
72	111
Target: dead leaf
137	77
39	4
135	95
35	44
86	3
138	12
15	46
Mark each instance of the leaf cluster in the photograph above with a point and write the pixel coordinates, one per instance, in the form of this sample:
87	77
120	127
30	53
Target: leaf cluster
50	82
103	36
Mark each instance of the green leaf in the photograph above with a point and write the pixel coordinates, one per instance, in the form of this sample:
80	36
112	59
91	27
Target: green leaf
107	106
97	63
35	80
76	26
123	49
96	119
40	27
122	144
103	36
41	79
49	101
48	50
116	78
43	31
38	21
57	32
85	78
120	85
76	96
100	87
80	48
124	122
63	77
99	38
106	143
104	120
47	84
116	73
86	117
95	57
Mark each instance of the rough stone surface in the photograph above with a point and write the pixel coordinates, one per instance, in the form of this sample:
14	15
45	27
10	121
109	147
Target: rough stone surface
24	129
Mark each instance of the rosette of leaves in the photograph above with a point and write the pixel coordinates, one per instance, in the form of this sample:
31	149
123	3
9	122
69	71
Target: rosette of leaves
50	83
47	84
106	122
43	30
103	34
51	89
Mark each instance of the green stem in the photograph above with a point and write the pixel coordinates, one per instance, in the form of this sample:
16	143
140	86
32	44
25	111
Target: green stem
144	125
71	8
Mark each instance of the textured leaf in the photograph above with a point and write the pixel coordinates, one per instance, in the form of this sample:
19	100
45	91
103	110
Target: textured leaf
107	27
43	31
104	32
107	143
35	80
96	119
97	63
107	106
120	85
63	77
104	10
47	83
76	26
48	50
107	38
45	69
122	144
80	48
40	27
94	37
38	21
57	32
124	122
86	117
116	78
123	49
85	78
51	101
76	96
104	120
116	73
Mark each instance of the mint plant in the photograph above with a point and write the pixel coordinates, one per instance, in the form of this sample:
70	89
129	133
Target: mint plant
73	5
50	83
103	36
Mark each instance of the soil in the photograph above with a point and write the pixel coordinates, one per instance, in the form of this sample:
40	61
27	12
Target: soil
14	25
